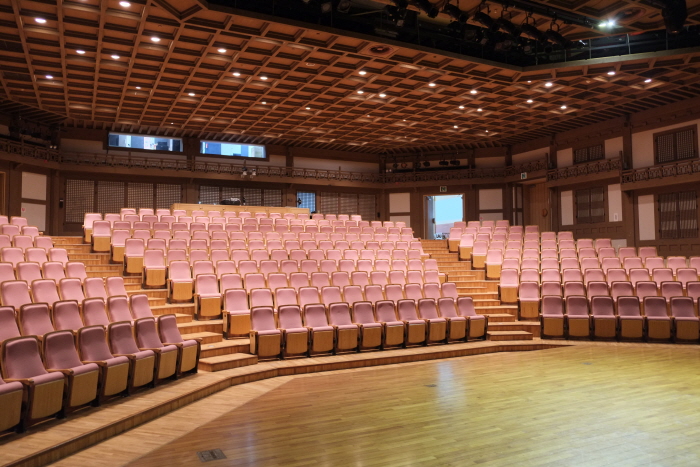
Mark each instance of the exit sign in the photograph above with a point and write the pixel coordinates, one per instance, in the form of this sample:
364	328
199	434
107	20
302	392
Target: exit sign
523	176
443	189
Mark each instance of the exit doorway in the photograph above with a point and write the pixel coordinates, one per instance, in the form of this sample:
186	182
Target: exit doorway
442	211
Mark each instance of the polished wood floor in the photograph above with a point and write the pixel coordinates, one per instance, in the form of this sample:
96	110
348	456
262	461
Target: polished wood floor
591	404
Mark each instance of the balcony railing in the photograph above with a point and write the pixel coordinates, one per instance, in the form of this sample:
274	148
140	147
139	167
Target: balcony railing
661	171
589	168
237	168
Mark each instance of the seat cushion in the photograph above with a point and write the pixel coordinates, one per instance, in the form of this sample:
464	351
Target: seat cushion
117	361
268	332
82	369
10	387
371	325
143	354
631	317
551	315
415	321
47	378
347	326
394	323
658	318
296	330
321	328
687	318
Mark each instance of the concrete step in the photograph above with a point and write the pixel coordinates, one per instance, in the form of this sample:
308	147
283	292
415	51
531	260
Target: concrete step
533	327
226	362
508	336
226	347
207	337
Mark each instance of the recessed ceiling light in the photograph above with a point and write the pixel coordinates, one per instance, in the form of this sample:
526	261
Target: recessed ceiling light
368	115
382	95
648	80
456	126
264	102
116	57
126	5
308	108
172	123
222	51
40	20
611	73
236	74
563	107
479	109
360	92
191	94
529	101
487	131
80	52
264	78
461	107
363	72
404	120
49	77
529	82
548	84
432	85
138	87
473	91
155	39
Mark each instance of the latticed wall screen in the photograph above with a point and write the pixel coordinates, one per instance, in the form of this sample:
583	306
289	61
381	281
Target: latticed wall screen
167	195
367	206
253	196
348	203
592	153
228	192
80	198
272	198
590	205
110	196
677	146
678	215
139	195
328	202
209	194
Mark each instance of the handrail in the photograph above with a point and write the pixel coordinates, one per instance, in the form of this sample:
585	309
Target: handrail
579	170
661	171
237	168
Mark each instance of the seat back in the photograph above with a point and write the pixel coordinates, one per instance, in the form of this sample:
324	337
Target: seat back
628	306
118	307
71	289
262	318
35	320
94	312
146	334
385	311
289	317
115	285
60	351
66	316
407	310
140	308
21	358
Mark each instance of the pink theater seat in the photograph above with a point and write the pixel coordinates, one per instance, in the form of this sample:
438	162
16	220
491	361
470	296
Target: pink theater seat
94	312
529	298
552	324
603	319
686	323
416	328
577	317
188	350
118	309
296	333
265	338
66	316
71	289
147	338
478	324
28	272
657	321
631	322
14	293
437	325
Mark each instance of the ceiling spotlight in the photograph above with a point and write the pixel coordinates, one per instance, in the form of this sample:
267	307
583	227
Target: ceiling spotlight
155	39
532	32
548	84
428	8
426	163
264	102
508	27
675	12
236	74
557	38
479	109
473	91
455	127
487	131
486	21
116	57
455	13
528	82
611	73
125	4
443	162
461	107
40	20
138	87
264	78
360	92
80	52
221	51
382	95
563	107
455	162
49	77
607	24
363	72
432	85
648	80
529	101
343	6
191	94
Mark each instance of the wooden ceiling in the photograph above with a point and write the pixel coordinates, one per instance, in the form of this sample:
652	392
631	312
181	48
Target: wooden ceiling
184	69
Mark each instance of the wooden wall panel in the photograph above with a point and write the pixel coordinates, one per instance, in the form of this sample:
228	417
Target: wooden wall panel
537	199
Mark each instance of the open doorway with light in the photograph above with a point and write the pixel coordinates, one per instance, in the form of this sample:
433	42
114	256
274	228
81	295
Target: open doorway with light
441	212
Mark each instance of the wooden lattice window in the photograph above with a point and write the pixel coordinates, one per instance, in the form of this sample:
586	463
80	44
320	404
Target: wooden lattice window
228	192
80	198
209	194
348	203
367	206
167	195
590	205
678	215
588	154
328	202
110	196
676	145
253	196
272	198
139	195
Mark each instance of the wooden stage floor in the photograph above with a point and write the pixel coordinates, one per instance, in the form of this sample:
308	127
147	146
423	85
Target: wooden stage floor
588	404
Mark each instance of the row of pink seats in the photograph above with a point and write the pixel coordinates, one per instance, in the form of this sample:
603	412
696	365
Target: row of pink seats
215	213
316	330
31	271
70	366
12	231
659	276
14	220
651	263
36	255
26	241
529	291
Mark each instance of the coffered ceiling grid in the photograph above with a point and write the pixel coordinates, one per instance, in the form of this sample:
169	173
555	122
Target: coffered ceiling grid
169	68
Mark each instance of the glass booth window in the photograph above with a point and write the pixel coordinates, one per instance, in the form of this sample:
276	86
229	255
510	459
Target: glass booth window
232	149
149	143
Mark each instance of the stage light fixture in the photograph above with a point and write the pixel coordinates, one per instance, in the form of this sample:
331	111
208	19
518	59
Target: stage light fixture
443	162
343	6
426	163
486	21
508	27
455	13
454	162
674	12
428	8
556	38
532	32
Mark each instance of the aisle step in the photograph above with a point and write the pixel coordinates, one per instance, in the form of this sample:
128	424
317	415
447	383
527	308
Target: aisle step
533	327
500	317
214	325
226	362
508	336
207	337
174	308
226	347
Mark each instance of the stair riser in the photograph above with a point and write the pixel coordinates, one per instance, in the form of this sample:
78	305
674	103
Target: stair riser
215	352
